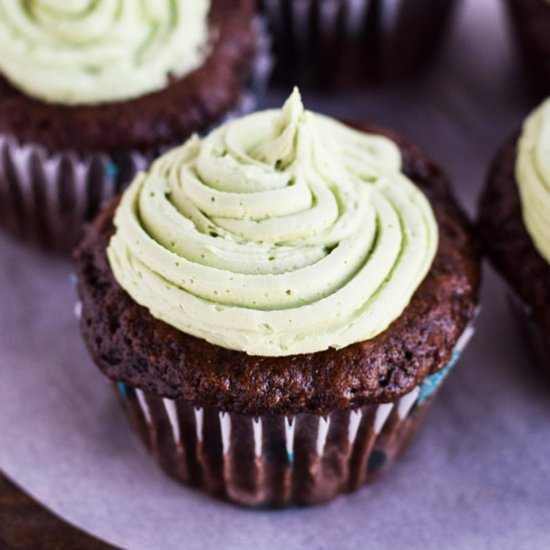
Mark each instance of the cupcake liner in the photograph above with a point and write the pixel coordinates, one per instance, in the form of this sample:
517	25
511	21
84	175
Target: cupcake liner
278	461
530	21
47	197
410	33
531	331
339	42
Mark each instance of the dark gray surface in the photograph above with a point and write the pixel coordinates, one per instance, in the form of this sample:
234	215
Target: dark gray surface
477	477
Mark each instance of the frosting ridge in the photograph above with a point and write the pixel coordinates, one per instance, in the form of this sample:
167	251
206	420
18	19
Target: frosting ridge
94	51
280	233
533	176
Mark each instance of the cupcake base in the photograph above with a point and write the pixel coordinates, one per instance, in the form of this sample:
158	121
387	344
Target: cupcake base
271	460
338	43
278	461
47	198
531	22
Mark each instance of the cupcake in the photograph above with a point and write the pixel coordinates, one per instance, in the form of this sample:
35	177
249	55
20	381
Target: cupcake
531	22
277	303
327	43
91	91
515	226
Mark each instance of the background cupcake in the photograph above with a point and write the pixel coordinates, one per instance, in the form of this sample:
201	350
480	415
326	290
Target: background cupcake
88	94
515	225
327	43
278	303
531	21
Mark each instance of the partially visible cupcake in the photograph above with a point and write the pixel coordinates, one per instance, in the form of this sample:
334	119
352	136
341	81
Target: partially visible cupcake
531	21
90	91
331	43
515	226
278	303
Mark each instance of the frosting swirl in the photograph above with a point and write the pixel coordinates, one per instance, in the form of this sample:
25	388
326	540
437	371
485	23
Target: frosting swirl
280	233
533	176
94	51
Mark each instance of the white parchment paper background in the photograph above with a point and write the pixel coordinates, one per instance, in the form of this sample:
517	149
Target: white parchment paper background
477	477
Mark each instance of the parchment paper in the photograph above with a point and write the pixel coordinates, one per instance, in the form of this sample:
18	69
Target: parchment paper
477	477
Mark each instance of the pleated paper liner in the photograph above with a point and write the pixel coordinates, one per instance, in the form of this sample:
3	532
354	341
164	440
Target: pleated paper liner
47	197
533	334
335	43
530	21
276	461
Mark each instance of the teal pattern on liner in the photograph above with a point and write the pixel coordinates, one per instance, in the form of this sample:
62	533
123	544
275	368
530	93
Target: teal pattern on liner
432	382
112	169
123	390
377	460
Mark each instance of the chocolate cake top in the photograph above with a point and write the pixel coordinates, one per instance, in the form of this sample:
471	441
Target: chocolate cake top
129	345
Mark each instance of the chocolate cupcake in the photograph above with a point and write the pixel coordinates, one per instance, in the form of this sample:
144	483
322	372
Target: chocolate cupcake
278	303
515	226
89	93
531	22
328	43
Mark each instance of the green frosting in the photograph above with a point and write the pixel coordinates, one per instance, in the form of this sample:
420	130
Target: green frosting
94	51
533	176
280	233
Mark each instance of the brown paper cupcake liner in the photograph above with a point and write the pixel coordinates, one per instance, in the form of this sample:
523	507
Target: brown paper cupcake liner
278	461
533	334
329	43
47	197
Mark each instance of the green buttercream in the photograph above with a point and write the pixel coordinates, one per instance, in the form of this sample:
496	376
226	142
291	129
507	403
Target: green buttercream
94	51
281	233
533	176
